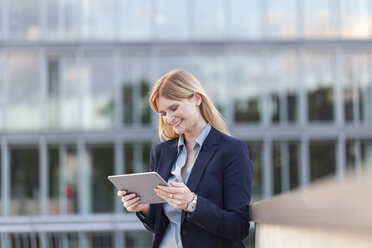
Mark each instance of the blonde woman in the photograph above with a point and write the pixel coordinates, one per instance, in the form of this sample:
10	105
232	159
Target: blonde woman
210	172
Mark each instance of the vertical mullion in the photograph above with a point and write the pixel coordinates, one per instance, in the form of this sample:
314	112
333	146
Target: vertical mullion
44	92
339	100
83	187
303	104
354	76
5	174
265	95
136	92
5	89
43	174
118	107
43	4
358	158
340	156
5	19
304	166
3	72
118	168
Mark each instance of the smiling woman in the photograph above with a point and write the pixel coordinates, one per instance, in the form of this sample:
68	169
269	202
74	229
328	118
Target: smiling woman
210	173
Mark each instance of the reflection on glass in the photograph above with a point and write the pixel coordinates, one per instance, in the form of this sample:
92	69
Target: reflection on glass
355	19
351	150
245	18
138	239
70	183
246	74
54	180
255	153
24	92
24	22
283	80
137	22
357	87
26	239
136	157
101	165
98	91
322	159
171	19
213	24
286	165
319	19
318	77
282	19
99	239
366	153
62	240
98	19
24	181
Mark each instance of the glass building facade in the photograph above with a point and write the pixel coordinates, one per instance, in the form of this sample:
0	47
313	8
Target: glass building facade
292	78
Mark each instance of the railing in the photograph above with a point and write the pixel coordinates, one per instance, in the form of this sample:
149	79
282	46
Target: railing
334	212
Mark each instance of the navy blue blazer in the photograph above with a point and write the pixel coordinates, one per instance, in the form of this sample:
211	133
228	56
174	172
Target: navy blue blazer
222	179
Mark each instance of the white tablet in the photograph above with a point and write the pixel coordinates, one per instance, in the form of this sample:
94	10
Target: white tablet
143	184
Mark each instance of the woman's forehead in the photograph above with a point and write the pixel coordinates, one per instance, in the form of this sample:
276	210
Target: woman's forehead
163	103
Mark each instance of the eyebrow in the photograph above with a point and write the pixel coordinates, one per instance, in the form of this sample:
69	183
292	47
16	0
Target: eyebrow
160	111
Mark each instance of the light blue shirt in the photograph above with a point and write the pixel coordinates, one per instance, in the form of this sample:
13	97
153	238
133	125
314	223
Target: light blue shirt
172	236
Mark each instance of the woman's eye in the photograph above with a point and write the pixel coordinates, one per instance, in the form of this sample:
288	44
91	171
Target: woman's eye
174	108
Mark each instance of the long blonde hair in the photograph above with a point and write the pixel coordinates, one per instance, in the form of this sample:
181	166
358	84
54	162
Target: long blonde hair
178	85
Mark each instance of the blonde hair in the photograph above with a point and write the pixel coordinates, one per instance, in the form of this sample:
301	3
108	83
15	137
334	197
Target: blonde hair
178	85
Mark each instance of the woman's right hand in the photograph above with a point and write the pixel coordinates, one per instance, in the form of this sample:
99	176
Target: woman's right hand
131	202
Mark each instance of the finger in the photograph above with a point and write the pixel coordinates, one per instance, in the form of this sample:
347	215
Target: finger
169	189
131	202
128	197
176	184
121	192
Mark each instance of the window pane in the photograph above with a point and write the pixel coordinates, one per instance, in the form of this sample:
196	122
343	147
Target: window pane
136	157
171	19
1	182
318	78
213	24
24	181
351	150
98	19
138	239
367	154
99	239
1	88
128	158
54	180
364	85
246	73
277	168
52	14
70	183
294	164
101	165
245	18
98	91
355	19
24	92
322	159
136	23
283	80
319	19
282	19
71	18
24	20
54	84
255	152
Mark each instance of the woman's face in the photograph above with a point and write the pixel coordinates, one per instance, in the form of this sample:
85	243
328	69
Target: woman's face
183	116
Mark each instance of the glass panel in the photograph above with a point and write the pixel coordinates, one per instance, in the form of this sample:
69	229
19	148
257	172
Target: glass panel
171	19
52	14
98	91
367	154
322	159
101	165
100	239
136	23
282	19
294	164
1	87
59	240
98	19
357	87
1	182
24	181
70	79
54	180
137	238
24	92
351	151
355	19
70	19
24	23
246	73
146	148
318	78
213	24
54	85
319	19
69	181
255	152
245	18
23	239
128	158
283	80
211	71
277	168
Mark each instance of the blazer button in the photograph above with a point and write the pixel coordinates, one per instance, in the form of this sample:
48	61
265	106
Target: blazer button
185	232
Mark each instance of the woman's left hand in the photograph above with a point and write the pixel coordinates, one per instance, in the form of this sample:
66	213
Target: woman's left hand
178	196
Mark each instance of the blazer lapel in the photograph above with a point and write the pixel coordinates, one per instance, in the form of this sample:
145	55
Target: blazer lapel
203	158
167	158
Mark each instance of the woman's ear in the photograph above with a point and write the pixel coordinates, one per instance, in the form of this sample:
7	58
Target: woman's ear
198	99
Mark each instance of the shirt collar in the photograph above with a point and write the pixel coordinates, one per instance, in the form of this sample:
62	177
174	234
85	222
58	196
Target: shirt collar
199	141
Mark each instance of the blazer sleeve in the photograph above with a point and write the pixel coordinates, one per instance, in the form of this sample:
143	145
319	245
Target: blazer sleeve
148	221
231	222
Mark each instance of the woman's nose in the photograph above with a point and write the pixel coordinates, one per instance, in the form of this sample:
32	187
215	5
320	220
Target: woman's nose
169	118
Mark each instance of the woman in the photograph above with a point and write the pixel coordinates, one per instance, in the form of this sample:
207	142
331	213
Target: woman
210	173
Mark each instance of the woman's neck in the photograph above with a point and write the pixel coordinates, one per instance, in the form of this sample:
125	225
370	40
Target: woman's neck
192	135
